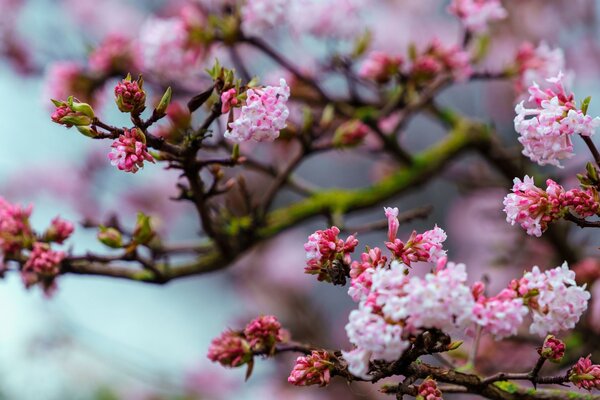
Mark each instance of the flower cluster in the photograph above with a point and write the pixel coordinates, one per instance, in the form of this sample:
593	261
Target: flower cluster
262	116
18	242
116	54
546	131
312	369
535	64
534	208
436	59
130	95
327	255
553	349
235	348
554	298
428	390
419	247
129	151
500	315
585	375
397	307
380	67
476	15
350	133
72	113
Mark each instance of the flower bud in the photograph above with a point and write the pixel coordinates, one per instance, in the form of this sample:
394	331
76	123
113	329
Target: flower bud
143	232
130	95
585	375
428	390
313	369
350	134
59	231
263	333
81	108
553	349
230	350
161	108
110	237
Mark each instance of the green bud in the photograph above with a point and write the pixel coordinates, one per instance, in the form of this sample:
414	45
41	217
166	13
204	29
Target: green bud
77	120
87	131
585	104
82	108
161	109
361	45
143	232
454	345
235	154
110	237
592	172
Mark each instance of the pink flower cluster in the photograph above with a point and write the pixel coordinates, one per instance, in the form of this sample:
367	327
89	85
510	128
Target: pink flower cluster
398	306
350	133
535	64
428	390
437	58
476	15
235	348
585	375
59	230
500	315
554	298
312	369
323	248
130	96
545	131
380	66
66	78
263	116
129	151
534	208
15	231
229	100
553	349
419	247
43	264
116	54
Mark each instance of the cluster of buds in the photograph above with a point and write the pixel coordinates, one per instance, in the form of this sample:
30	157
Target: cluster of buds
130	95
553	349
419	247
428	390
380	67
143	234
312	369
129	151
534	208
436	59
73	113
18	241
329	256
236	348
350	133
585	375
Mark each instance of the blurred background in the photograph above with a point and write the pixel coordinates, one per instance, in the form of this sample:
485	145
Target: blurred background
102	338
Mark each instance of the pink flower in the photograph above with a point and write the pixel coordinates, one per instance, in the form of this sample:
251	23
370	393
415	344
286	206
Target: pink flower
554	298
350	133
59	230
361	272
537	64
64	79
428	390
313	369
358	362
380	67
437	59
130	96
584	203
263	333
323	248
476	15
260	16
392	216
532	207
230	349
15	231
263	116
546	136
585	375
500	315
129	151
553	349
229	99
43	260
419	247
116	54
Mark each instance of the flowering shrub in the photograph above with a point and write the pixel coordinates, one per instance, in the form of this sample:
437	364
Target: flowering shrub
252	154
